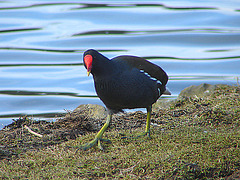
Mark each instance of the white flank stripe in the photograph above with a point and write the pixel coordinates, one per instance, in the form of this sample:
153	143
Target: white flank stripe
152	78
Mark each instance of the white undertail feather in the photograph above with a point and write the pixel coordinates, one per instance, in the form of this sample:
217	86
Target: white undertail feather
167	92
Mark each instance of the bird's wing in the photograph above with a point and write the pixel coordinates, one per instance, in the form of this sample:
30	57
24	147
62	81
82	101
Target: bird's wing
142	64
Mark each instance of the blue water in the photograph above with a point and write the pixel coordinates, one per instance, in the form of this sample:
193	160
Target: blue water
42	42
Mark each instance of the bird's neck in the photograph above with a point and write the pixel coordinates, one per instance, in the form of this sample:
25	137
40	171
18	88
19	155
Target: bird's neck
103	67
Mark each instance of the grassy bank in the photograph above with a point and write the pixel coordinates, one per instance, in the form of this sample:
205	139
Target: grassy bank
194	138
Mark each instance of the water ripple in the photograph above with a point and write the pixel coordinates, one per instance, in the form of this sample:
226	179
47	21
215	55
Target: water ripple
42	44
165	31
102	5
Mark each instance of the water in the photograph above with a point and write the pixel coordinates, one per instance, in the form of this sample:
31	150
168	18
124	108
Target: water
42	42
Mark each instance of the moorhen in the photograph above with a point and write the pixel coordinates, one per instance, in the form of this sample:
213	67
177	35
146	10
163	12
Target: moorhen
124	82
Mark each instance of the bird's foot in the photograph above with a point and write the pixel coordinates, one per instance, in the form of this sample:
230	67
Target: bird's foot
144	134
92	143
138	136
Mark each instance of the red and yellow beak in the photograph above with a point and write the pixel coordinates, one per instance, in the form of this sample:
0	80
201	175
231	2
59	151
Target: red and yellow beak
88	62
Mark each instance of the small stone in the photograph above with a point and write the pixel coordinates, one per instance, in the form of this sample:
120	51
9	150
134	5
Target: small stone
94	111
200	91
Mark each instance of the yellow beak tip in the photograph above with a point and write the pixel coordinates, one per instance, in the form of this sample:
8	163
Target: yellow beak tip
88	73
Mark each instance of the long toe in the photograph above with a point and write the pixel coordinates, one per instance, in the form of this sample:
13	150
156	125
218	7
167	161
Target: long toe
144	134
106	140
93	143
87	145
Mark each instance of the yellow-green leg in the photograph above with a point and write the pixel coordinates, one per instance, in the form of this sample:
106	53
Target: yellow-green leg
98	137
149	111
147	130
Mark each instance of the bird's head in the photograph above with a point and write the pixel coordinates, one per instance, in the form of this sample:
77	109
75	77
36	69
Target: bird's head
88	60
95	62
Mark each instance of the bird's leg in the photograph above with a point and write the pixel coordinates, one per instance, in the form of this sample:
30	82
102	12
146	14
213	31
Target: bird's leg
149	111
98	137
147	130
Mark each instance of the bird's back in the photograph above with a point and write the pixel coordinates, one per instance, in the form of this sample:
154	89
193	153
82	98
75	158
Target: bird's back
126	88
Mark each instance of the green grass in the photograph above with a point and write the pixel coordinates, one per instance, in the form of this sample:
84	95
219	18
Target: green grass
196	139
183	152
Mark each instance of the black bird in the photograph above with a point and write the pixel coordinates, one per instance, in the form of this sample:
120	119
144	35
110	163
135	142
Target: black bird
124	82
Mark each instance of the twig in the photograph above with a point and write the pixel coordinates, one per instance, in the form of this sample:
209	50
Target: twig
129	169
32	132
